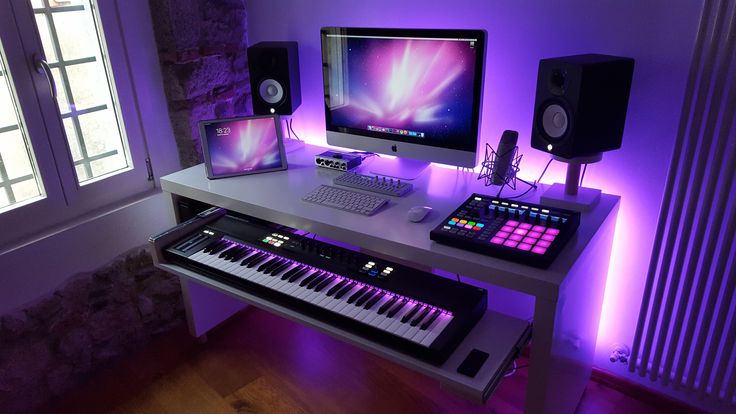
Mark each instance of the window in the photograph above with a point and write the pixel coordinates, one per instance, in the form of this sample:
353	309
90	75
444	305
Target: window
18	173
70	130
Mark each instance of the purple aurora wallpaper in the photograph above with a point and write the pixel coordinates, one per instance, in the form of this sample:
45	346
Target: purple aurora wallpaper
418	89
243	145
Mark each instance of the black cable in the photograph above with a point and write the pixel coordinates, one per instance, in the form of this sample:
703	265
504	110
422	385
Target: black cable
290	122
520	195
288	130
544	171
458	277
585	167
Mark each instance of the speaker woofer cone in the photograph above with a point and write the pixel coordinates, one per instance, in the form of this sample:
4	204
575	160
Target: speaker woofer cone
271	91
555	122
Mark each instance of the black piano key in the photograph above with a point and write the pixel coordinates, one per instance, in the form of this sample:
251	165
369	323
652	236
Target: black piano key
257	260
309	278
324	284
233	253
374	300
285	265
226	253
363	299
241	253
387	305
271	260
337	287
270	268
212	245
358	294
251	258
411	313
296	276
429	321
317	280
421	316
396	309
291	272
344	290
221	245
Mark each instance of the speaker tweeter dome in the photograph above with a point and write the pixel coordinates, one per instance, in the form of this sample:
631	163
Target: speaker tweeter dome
581	104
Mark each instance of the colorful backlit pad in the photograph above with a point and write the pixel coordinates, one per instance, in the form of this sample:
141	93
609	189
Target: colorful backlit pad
525	236
528	233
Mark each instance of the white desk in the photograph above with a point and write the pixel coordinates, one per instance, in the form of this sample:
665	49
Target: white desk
567	296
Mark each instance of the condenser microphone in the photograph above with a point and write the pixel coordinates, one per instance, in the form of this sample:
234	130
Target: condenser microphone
504	154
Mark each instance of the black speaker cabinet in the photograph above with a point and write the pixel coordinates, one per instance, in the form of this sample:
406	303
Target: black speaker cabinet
274	77
581	104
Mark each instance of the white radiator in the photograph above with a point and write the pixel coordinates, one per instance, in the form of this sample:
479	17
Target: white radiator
686	331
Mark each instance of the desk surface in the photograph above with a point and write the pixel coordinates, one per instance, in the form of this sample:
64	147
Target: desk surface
277	197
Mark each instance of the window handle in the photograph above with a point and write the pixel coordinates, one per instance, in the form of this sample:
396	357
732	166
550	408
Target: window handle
43	67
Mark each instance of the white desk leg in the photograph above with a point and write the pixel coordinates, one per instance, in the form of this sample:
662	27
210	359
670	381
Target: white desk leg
565	331
206	307
556	383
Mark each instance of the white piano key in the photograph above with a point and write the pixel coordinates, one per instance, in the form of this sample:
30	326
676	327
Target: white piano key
419	336
444	320
397	324
342	303
327	299
374	310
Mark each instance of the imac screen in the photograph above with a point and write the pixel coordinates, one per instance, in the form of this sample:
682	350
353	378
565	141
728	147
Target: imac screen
420	88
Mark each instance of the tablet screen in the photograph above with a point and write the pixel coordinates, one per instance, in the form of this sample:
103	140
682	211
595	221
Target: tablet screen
242	146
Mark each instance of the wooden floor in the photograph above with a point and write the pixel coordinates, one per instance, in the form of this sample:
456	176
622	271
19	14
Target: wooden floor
260	363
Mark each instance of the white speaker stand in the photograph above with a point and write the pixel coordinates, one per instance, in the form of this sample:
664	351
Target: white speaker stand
570	195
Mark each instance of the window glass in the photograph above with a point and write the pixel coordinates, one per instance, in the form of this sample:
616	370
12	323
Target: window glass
86	101
18	173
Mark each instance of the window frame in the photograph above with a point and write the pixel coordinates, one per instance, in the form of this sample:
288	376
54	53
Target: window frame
67	200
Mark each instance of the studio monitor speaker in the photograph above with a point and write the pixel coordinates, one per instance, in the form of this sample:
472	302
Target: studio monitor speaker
581	104
274	77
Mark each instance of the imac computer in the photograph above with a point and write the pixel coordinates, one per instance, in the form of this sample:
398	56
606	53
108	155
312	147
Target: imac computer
412	93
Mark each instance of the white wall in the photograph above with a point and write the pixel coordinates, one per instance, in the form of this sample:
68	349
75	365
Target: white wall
658	34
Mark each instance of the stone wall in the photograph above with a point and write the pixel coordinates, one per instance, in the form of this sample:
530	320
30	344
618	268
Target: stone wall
52	345
202	45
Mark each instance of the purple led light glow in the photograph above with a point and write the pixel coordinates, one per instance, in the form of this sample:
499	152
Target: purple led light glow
243	145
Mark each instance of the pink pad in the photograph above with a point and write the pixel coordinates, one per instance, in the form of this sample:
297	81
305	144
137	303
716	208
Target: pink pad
524	246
